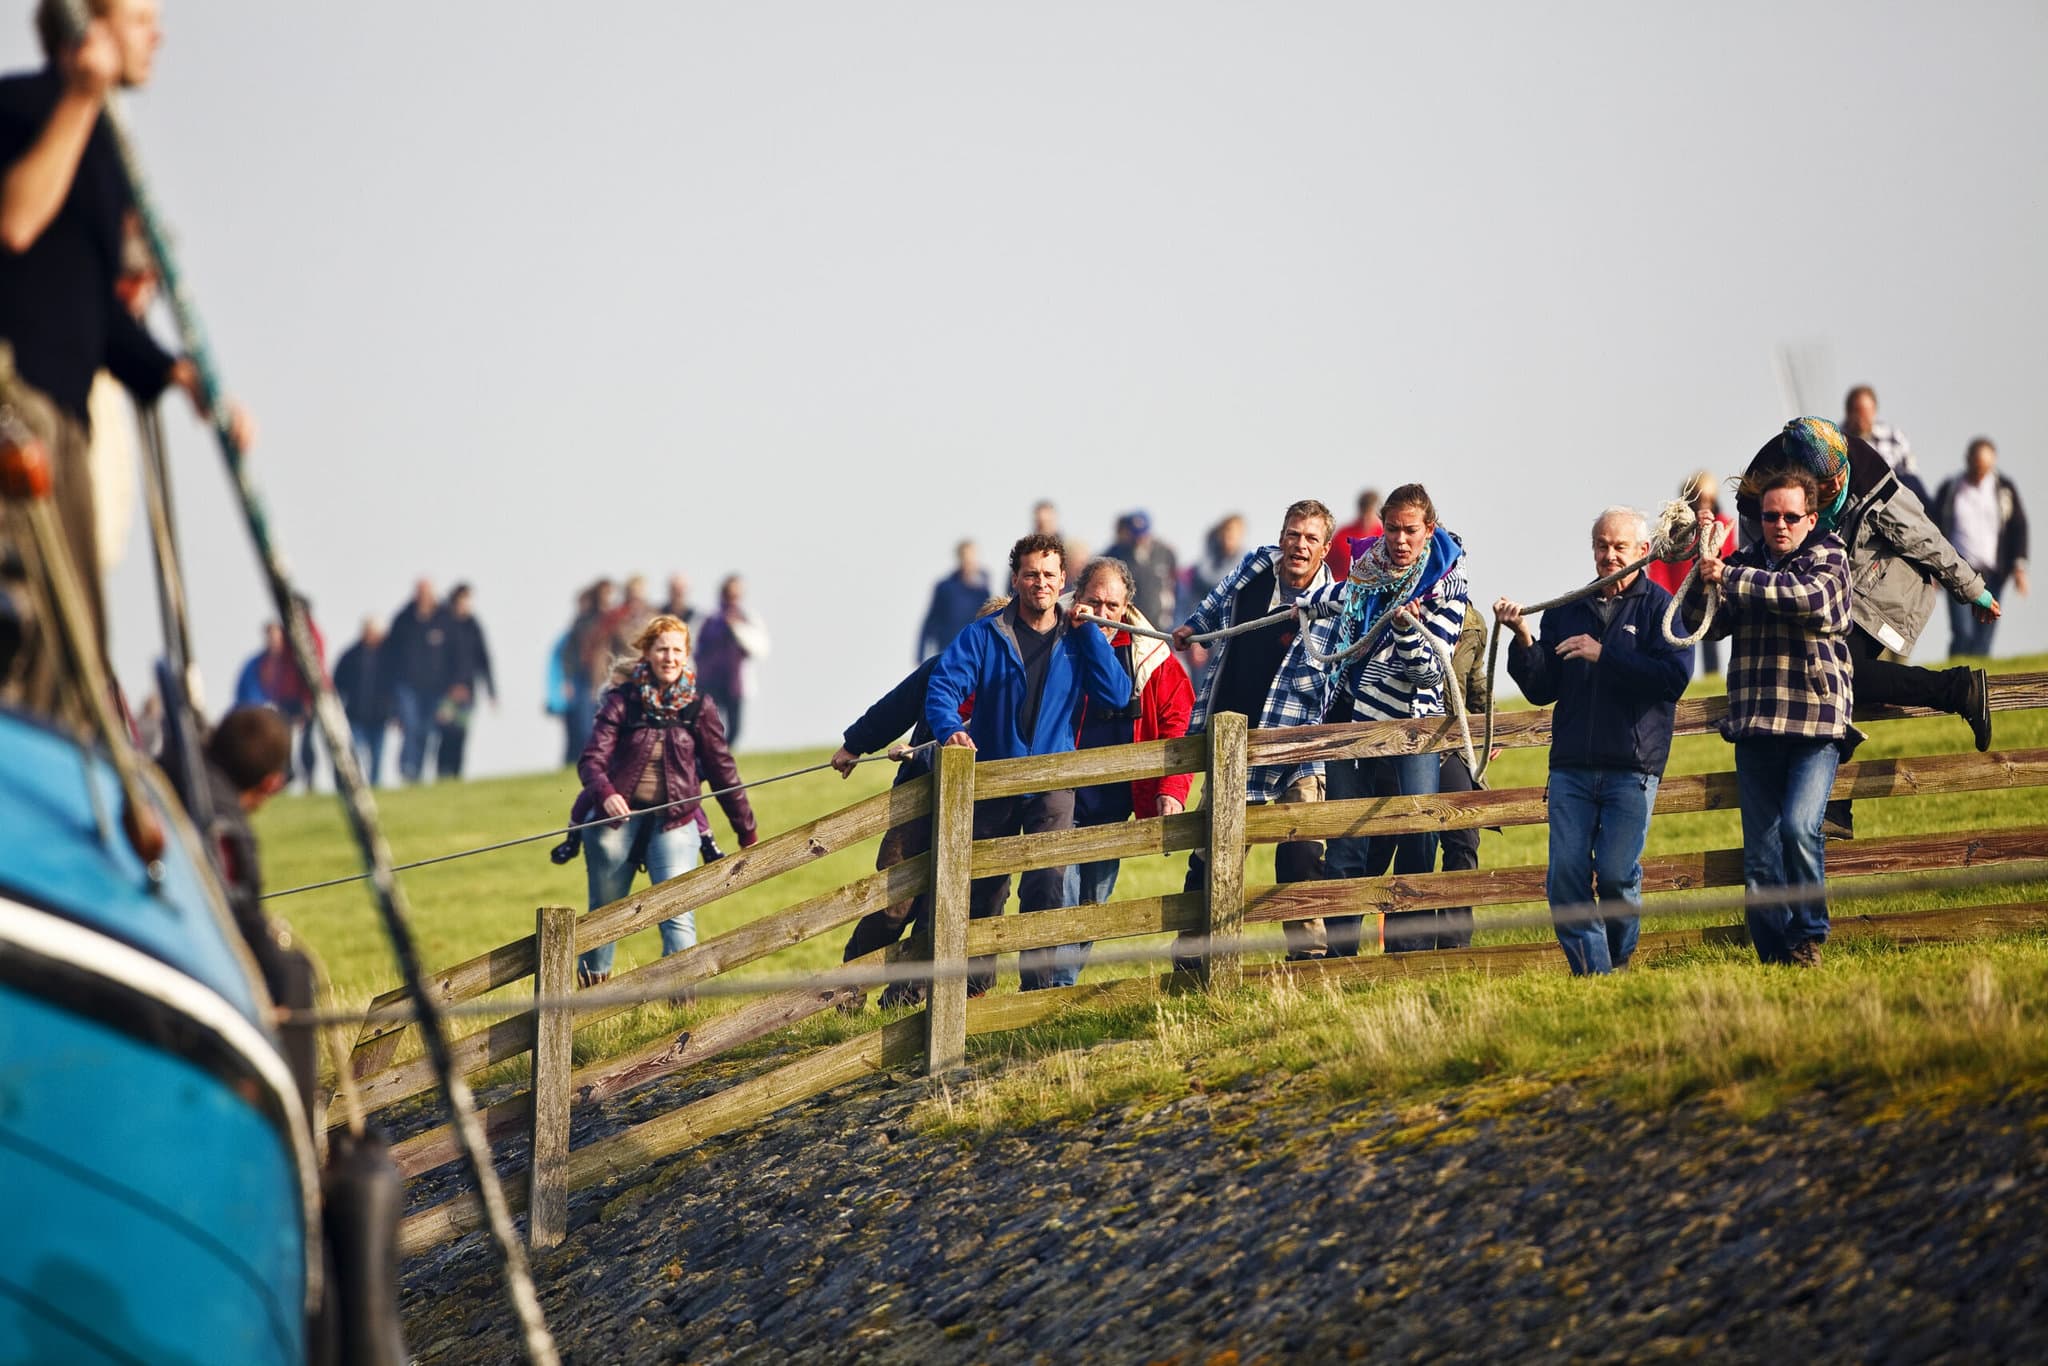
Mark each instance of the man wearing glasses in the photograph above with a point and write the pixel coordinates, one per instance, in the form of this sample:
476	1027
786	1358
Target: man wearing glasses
1785	603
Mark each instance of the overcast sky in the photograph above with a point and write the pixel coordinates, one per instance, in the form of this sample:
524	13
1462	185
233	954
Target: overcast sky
528	293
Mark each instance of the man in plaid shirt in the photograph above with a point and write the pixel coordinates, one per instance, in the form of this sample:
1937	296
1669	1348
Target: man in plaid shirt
1785	601
1267	677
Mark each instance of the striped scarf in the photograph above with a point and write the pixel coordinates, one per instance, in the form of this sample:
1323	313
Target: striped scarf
1376	586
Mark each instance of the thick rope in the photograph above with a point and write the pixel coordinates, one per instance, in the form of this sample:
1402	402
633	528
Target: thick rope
896	754
1677	538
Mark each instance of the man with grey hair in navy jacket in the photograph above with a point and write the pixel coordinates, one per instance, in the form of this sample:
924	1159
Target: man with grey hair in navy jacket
1615	681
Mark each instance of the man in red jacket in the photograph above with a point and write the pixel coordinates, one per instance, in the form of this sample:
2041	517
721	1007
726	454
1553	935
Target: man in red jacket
1162	701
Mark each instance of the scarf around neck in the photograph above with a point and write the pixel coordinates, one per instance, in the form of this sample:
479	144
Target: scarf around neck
664	704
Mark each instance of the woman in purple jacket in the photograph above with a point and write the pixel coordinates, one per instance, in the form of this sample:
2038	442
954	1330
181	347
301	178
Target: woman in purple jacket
653	742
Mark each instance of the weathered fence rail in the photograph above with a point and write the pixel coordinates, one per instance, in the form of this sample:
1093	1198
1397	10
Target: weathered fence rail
1219	909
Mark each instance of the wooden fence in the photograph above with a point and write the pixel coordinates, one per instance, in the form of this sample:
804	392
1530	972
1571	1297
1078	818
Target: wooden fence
935	1038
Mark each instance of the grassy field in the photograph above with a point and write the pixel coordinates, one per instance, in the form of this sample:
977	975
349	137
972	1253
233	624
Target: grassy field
464	907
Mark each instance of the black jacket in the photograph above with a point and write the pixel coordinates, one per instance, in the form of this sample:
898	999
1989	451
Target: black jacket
1617	713
466	662
360	678
2012	521
900	709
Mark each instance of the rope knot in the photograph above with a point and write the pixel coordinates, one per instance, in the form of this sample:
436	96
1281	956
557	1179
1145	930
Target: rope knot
1677	536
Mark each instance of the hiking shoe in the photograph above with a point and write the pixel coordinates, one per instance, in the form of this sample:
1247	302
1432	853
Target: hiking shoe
1806	955
901	994
1977	708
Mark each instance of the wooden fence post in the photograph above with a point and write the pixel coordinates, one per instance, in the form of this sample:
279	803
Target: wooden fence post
1223	891
952	874
547	1218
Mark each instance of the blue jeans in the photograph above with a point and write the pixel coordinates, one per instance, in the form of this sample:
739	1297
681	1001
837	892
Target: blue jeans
1784	787
608	859
416	727
1087	884
369	750
1967	635
1407	775
1599	822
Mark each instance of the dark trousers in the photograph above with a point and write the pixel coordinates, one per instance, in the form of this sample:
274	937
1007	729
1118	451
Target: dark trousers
452	740
1967	635
1883	682
879	929
1041	889
729	707
1461	854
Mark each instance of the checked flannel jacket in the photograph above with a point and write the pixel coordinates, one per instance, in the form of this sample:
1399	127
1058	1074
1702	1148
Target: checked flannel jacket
1296	697
1789	673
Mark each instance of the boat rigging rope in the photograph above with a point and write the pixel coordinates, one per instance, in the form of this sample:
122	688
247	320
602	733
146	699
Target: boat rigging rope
896	754
362	812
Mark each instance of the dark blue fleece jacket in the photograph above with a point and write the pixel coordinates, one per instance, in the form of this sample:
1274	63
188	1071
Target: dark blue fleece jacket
1616	713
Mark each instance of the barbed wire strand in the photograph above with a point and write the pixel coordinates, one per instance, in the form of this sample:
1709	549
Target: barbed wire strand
895	754
1187	946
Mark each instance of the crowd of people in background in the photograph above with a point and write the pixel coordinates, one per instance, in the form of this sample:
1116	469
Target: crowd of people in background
422	674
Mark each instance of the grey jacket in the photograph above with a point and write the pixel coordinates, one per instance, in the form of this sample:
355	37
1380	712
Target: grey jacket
1896	553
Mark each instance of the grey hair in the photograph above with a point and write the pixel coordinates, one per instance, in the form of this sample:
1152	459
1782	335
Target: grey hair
1632	514
1104	564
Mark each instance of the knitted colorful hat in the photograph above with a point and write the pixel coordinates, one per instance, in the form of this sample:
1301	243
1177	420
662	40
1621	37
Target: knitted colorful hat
1816	445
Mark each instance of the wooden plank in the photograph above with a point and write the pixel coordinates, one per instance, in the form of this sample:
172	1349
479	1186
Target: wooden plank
1116	920
899	1044
665	1057
694	890
1917	775
952	859
1090	844
1223	886
547	1199
1087	767
1665	873
1526	728
723	953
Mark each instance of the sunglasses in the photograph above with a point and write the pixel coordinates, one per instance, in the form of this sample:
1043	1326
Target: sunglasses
1787	517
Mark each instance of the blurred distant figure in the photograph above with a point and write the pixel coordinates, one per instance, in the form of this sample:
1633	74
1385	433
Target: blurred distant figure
1045	518
415	649
466	669
1859	418
1979	511
1361	527
678	604
582	675
251	688
365	692
1701	492
624	624
1222	549
955	600
1155	577
728	647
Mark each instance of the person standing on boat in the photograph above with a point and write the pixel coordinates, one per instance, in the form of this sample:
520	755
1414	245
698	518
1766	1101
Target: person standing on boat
732	642
247	760
465	674
1616	682
415	650
1267	677
1028	669
653	743
1785	600
64	201
1411	577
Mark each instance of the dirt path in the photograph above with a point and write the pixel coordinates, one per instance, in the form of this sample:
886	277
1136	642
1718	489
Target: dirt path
1519	1219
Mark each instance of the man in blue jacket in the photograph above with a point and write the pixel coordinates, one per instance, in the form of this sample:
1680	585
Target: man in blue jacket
1027	669
1615	681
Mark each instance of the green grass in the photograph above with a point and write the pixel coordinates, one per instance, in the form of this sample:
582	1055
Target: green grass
1894	1023
465	907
